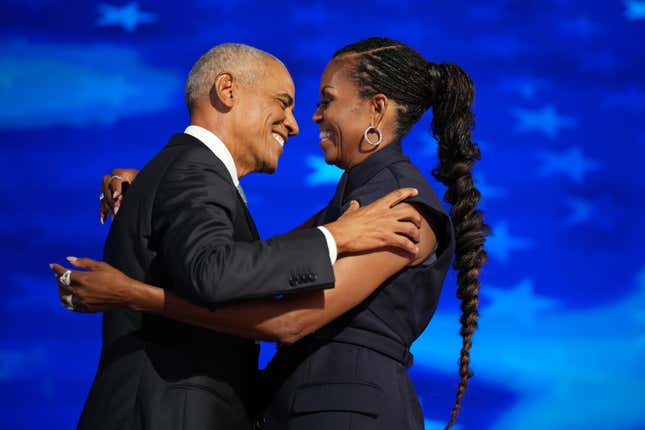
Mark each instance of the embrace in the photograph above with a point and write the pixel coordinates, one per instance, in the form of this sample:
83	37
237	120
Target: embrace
187	287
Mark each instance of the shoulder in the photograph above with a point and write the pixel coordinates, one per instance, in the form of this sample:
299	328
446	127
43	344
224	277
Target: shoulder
194	172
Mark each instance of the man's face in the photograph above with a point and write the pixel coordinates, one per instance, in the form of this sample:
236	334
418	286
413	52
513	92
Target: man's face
265	117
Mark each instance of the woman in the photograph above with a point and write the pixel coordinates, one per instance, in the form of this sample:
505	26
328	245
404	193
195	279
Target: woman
351	372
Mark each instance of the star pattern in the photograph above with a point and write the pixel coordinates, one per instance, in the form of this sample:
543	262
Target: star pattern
501	243
570	163
546	120
581	211
559	96
323	173
634	10
519	303
128	17
526	86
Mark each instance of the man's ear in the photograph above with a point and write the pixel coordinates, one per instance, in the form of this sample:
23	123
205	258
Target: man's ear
222	93
378	105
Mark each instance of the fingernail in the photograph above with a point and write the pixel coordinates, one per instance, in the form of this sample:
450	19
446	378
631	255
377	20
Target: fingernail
71	259
102	220
116	210
416	191
51	266
115	194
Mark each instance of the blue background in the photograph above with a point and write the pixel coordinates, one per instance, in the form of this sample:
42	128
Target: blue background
85	87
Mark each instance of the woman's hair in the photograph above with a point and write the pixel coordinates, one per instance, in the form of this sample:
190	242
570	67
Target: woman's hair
386	66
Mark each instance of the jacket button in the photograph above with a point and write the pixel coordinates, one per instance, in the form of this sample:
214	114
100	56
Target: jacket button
311	277
292	282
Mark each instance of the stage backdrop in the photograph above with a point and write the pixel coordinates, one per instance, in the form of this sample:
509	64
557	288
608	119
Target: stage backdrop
85	87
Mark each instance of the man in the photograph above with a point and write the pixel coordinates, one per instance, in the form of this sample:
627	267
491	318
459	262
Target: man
185	227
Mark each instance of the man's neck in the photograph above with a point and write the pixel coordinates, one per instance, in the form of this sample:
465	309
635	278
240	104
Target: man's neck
223	133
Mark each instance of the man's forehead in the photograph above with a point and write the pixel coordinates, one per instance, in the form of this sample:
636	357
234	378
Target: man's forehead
281	79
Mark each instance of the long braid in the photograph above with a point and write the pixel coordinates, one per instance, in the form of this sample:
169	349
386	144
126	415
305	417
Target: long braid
399	72
452	124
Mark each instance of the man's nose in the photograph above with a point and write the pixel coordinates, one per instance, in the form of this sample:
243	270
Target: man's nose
291	124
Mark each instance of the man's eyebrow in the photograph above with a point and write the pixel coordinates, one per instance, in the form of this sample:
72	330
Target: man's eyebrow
287	98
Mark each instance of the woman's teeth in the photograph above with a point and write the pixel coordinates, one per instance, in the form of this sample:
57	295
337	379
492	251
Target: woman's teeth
278	138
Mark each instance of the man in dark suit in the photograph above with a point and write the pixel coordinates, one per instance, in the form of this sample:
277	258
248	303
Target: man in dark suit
185	227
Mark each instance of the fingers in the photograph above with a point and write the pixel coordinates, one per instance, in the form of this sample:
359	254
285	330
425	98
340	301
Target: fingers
112	193
85	263
104	206
403	243
58	269
407	212
353	206
397	196
116	189
409	230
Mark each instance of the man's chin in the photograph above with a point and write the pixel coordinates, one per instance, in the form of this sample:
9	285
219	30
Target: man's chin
269	168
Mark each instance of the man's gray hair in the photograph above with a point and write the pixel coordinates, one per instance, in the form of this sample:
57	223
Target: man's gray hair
244	62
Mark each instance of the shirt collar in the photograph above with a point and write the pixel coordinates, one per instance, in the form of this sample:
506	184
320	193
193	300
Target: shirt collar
217	147
363	172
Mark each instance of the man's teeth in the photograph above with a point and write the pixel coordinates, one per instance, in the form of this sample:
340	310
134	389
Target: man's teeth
278	139
324	135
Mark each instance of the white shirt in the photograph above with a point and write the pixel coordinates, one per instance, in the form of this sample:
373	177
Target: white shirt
220	150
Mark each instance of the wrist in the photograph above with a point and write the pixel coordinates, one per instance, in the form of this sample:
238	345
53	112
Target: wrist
332	227
136	298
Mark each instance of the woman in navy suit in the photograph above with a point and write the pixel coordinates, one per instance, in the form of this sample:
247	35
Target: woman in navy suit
346	350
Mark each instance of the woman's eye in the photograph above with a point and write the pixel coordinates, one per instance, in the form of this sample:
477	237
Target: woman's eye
323	103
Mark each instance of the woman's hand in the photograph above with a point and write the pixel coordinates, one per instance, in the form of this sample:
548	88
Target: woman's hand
112	189
99	289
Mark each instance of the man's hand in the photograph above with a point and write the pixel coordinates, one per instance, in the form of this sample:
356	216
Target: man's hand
112	190
378	225
101	288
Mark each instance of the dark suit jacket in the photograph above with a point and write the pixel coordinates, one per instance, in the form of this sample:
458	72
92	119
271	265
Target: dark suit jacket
183	226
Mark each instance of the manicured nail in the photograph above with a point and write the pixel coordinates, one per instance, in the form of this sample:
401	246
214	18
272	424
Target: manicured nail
51	266
115	194
102	220
71	259
116	210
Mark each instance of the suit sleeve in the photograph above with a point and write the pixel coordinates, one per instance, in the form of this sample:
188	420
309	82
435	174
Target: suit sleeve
193	224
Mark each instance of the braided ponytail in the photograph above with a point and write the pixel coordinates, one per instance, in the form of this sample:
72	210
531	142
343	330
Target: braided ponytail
392	68
451	125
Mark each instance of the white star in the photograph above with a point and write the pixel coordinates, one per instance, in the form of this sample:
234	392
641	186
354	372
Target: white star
500	244
128	17
518	303
546	120
323	173
570	162
635	10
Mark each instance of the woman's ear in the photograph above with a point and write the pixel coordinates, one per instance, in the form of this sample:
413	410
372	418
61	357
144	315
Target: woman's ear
379	104
222	92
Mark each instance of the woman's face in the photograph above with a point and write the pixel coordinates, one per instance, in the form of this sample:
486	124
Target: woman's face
341	115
